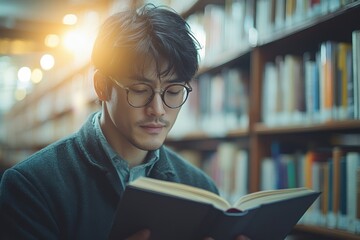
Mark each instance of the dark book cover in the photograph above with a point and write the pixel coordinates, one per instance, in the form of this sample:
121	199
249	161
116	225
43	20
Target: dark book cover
175	218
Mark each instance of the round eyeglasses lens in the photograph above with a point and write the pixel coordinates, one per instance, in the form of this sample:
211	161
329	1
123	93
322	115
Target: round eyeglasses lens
139	95
175	95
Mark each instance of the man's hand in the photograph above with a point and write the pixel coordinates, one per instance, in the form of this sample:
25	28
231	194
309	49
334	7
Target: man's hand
141	235
145	235
241	237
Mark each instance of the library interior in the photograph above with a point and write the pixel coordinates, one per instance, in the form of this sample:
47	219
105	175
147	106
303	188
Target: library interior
275	103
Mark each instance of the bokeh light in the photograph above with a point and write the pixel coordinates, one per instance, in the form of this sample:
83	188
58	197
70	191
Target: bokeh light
70	19
47	62
24	74
20	94
52	40
36	75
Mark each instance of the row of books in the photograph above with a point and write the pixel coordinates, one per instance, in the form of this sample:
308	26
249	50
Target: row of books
239	24
179	6
333	171
223	28
52	113
17	46
47	132
217	104
315	87
279	14
228	166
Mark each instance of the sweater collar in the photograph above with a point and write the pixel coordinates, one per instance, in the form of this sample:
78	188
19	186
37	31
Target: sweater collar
90	145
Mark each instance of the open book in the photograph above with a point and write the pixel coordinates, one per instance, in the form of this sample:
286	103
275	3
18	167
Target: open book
177	211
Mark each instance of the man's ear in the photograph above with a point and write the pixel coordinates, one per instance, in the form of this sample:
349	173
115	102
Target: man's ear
101	86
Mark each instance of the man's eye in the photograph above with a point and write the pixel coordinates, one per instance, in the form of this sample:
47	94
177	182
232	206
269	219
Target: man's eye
140	89
173	92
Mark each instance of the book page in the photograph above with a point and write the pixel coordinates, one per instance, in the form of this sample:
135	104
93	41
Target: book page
255	199
181	191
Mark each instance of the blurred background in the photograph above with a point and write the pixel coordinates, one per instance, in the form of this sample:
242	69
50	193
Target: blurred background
45	74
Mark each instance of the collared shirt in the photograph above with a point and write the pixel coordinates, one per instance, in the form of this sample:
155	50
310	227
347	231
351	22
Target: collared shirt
125	173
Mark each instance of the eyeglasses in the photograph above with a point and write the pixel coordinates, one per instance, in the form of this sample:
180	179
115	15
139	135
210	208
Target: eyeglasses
141	94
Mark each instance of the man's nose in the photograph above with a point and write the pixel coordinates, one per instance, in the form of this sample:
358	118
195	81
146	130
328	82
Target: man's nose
156	107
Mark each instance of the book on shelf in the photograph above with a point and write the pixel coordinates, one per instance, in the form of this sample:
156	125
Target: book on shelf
333	171
353	164
177	211
356	74
276	15
316	87
230	170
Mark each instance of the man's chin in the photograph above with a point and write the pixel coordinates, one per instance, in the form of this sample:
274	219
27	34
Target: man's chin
151	145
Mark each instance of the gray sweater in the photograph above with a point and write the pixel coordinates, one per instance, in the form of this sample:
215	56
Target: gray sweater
70	189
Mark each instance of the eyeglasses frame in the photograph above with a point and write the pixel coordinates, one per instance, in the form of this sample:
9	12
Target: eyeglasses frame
161	92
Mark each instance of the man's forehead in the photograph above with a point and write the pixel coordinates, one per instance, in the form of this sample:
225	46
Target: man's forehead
153	78
155	70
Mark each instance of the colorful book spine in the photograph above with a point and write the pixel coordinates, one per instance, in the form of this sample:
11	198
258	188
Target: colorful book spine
353	164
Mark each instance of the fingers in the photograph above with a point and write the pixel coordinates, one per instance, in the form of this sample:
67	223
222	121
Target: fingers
242	237
141	235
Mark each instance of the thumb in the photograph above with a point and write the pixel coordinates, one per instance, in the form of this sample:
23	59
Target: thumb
242	237
141	235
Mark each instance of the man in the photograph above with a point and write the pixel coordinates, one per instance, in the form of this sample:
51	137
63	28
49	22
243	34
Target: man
144	61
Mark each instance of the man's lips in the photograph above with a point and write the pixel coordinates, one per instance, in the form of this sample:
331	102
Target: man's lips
153	128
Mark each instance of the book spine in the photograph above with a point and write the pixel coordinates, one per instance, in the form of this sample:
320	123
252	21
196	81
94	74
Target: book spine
356	73
350	84
357	227
353	163
343	220
336	158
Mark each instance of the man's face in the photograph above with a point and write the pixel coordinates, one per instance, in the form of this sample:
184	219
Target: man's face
147	127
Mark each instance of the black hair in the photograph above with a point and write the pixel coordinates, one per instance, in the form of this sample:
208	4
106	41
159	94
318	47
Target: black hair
128	39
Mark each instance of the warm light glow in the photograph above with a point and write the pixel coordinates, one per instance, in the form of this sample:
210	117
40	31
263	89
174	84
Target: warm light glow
20	94
79	40
75	40
47	62
52	40
24	74
70	19
36	75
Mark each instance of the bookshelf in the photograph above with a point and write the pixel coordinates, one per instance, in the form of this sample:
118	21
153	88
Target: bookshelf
292	34
323	233
333	22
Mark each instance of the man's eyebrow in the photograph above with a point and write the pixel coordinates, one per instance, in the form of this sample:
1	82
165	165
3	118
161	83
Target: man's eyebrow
147	80
175	80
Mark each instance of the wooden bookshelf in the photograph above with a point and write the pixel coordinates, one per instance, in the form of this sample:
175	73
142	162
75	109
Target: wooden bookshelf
331	126
296	39
326	233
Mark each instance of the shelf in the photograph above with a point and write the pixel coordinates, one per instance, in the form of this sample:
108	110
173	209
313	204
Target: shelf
226	59
199	5
204	142
348	13
203	136
333	126
326	232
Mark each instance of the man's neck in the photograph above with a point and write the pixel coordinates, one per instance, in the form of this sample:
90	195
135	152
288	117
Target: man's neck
127	151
